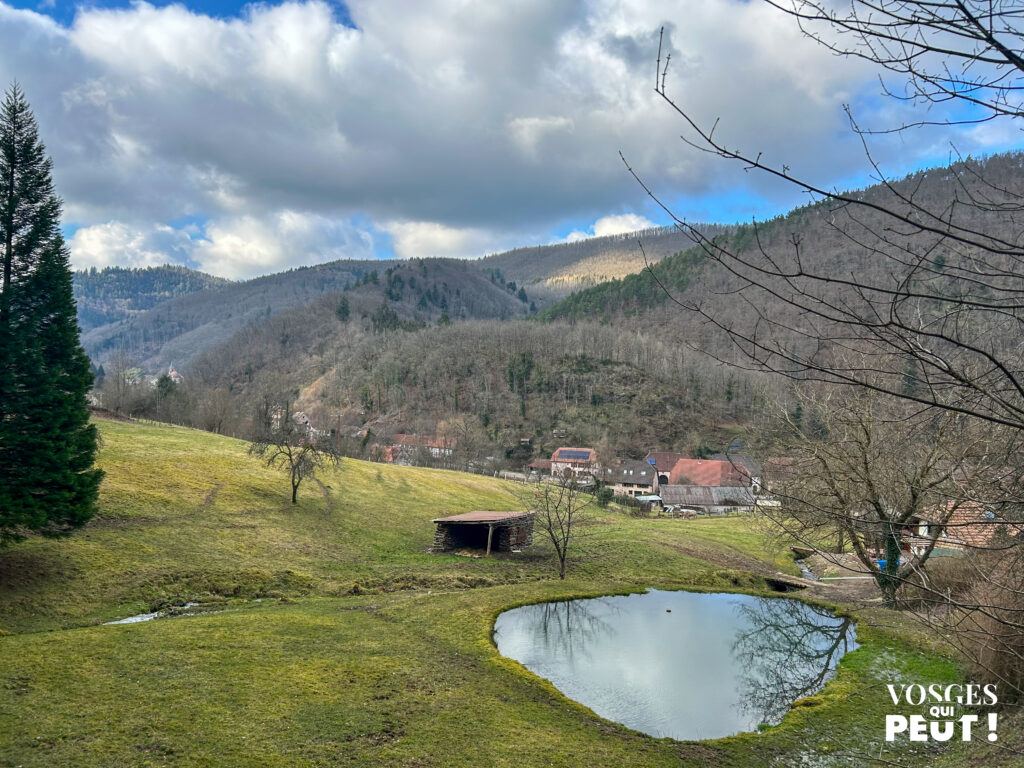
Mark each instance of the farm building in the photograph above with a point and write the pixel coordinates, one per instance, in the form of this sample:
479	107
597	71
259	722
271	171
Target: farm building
707	499
707	472
489	531
663	461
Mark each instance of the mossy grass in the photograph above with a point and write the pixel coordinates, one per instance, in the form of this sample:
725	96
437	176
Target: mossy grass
342	642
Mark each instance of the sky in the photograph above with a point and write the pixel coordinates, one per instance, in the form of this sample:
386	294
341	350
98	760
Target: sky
244	139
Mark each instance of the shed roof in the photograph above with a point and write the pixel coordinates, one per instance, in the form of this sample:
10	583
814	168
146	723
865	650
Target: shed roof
706	496
485	517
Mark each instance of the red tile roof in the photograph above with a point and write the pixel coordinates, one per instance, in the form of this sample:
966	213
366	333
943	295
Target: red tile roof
413	441
970	525
706	472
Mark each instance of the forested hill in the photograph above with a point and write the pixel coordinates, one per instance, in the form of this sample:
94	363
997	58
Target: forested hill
549	272
633	293
116	293
819	229
389	292
176	330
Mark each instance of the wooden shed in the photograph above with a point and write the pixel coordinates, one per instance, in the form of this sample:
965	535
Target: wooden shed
489	531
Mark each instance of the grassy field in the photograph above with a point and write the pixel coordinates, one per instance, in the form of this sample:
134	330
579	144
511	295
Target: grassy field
337	640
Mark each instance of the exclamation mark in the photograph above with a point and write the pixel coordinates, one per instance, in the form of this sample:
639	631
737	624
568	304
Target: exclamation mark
992	726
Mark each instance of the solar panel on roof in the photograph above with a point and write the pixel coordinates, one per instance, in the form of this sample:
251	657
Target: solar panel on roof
574	455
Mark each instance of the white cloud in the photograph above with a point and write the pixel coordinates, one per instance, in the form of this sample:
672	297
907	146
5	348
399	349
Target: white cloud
246	246
461	124
236	247
427	239
116	244
611	225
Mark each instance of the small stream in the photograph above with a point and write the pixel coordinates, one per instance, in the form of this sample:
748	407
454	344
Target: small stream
807	572
165	613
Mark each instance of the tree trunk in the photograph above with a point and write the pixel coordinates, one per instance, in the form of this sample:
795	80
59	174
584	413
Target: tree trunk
887	580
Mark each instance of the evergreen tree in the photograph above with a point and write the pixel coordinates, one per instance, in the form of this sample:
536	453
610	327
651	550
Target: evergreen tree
47	446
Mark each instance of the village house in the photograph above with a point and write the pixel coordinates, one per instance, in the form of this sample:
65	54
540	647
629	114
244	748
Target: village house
540	466
629	478
580	461
663	461
707	472
969	526
436	447
407	449
747	466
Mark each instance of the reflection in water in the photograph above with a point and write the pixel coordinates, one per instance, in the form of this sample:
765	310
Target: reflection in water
789	651
573	626
679	664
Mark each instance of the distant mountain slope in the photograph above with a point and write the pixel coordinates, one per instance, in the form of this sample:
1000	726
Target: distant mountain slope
174	331
831	238
550	272
116	293
633	293
390	292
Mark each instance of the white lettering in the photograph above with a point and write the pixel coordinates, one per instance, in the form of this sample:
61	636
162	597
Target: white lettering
896	696
966	721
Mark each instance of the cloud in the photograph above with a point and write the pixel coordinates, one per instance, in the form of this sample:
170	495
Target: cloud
465	123
611	225
117	244
236	247
246	246
427	239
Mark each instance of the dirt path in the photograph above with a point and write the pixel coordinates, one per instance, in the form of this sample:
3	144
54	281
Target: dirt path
327	496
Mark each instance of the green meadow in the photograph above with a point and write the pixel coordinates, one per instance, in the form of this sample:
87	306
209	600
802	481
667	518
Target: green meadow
326	634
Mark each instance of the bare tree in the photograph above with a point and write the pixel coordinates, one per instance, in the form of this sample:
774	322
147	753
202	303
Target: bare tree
866	470
563	512
120	382
283	442
940	283
935	281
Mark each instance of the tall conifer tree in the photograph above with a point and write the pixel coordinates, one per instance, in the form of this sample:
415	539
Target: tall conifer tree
47	446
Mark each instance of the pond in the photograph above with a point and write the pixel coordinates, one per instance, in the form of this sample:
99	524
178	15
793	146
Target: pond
680	664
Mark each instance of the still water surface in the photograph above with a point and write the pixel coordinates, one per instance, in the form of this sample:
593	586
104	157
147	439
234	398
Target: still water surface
679	664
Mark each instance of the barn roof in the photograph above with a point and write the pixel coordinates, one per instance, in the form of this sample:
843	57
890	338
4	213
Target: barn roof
706	472
706	496
485	517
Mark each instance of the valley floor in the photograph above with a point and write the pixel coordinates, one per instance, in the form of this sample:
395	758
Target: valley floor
328	636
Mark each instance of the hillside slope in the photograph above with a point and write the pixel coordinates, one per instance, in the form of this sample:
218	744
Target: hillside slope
550	272
328	636
830	238
174	331
187	515
115	293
